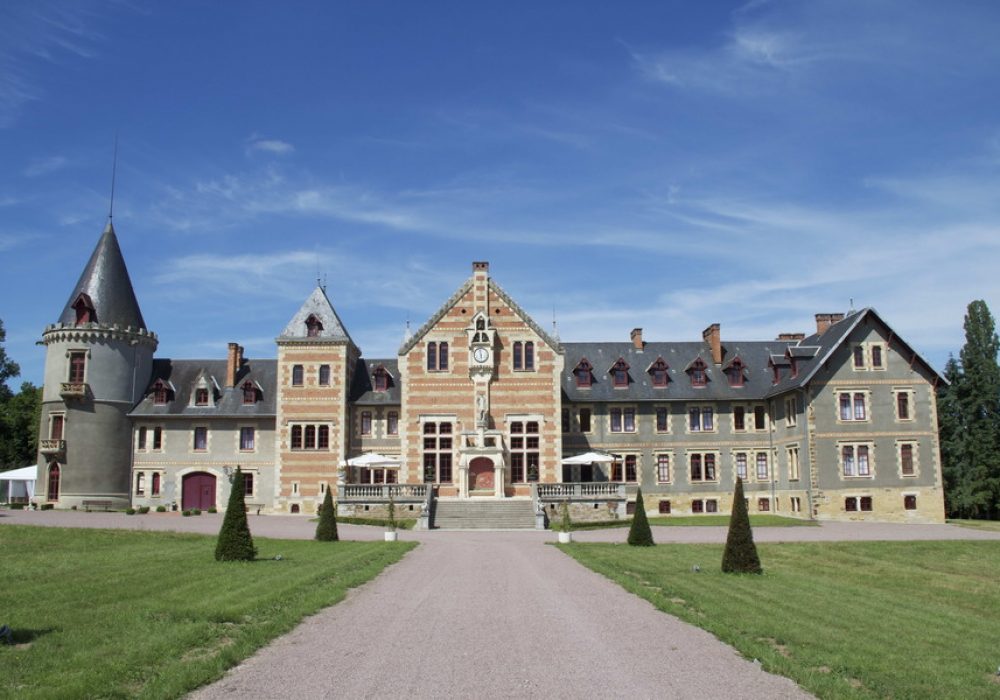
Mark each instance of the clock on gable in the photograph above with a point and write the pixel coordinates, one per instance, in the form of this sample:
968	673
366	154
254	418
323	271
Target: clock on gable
481	355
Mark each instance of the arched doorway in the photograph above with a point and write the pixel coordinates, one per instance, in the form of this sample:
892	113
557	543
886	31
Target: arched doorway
53	492
198	491
481	474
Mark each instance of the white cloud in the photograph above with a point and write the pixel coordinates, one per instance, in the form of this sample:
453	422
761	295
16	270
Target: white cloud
272	146
44	166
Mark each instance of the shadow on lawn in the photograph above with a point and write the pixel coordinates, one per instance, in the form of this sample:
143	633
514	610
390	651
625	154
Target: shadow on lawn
21	635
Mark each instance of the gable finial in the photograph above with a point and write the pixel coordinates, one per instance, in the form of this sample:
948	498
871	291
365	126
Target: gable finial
114	172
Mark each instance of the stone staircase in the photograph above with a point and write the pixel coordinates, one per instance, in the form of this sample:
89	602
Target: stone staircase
487	514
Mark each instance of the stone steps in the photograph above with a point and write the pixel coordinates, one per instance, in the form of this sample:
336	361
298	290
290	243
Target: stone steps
498	514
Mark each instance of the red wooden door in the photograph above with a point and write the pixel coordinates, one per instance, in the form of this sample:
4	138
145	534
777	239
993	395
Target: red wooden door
198	491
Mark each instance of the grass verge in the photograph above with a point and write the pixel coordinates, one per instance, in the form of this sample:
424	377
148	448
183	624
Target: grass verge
991	525
690	521
115	613
844	619
401	523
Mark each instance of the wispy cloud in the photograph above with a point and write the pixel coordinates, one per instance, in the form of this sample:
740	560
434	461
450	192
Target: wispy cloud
271	146
44	166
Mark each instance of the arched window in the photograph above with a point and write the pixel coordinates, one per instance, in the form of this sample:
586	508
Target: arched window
313	326
518	354
297	375
53	493
529	355
442	356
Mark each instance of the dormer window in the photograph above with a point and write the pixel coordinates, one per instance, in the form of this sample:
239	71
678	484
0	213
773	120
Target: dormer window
793	363
658	371
584	374
697	373
249	393
380	378
84	308
775	371
313	326
201	397
734	373
161	393
619	373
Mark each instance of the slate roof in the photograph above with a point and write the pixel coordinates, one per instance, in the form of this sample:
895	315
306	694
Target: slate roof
318	305
106	281
183	375
362	389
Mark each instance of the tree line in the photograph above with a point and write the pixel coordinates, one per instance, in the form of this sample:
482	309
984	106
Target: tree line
19	413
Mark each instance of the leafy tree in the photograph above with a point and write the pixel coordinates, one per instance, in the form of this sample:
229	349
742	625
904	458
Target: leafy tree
740	556
639	534
951	432
235	542
8	368
326	529
19	415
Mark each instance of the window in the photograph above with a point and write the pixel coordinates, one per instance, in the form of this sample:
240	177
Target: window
664	508
622	420
297	375
524	451
160	393
764	505
201	397
662	419
437	357
796	504
157	438
437	452
853	407
56	426
524	355
366	422
77	367
877	357
762	471
909	502
903	406
248	483
858	503
53	492
859	357
565	420
700	419
741	465
793	463
702	466
697	373
310	437
313	326
200	439
658	371
630	508
854	460
249	393
759	418
663	469
380	379
697	506
584	374
324	375
141	438
708	505
739	418
630	472
734	373
775	371
619	374
84	308
155	487
392	423
791	411
140	484
247	439
906	463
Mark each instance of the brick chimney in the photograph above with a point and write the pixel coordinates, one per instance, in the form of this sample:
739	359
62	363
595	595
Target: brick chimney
824	321
791	337
713	336
636	337
233	363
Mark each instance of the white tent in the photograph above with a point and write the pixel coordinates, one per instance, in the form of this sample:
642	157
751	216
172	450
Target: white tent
373	460
20	482
590	458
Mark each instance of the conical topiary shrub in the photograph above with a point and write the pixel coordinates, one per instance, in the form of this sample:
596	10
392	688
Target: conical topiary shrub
235	542
741	553
639	534
326	530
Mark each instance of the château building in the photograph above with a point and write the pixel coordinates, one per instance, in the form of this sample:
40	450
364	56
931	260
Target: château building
483	415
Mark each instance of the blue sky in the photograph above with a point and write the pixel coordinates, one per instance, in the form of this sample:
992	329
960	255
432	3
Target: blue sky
657	164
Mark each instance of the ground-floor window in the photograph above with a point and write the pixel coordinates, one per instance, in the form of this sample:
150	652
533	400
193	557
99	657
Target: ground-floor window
910	502
437	452
247	484
140	484
630	508
53	493
664	508
796	504
524	447
764	505
853	504
155	488
708	505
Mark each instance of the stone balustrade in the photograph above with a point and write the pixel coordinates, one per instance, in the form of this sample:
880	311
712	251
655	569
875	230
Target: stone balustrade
382	492
582	491
51	447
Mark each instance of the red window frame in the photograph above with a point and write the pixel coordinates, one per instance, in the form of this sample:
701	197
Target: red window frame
249	393
734	373
366	422
583	372
906	459
619	374
697	373
201	397
658	371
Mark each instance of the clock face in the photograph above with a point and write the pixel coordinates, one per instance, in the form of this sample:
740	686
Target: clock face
481	354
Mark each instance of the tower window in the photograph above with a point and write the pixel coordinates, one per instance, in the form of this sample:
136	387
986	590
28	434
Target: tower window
313	326
324	375
84	308
77	367
297	375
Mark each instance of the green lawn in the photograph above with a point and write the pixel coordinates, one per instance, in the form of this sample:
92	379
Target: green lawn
845	619
992	525
113	613
691	521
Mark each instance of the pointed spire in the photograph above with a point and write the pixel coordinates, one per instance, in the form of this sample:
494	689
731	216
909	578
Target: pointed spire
108	288
316	319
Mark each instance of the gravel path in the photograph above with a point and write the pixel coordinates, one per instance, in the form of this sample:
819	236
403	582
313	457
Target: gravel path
494	614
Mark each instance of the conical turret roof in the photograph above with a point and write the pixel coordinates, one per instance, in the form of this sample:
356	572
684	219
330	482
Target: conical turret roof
107	285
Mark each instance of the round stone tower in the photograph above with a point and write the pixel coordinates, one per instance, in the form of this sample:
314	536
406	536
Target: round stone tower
98	361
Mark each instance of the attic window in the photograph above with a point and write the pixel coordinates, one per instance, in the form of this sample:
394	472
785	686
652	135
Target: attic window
793	363
161	393
776	371
380	378
658	370
201	397
583	374
734	372
84	308
313	326
697	373
619	373
249	393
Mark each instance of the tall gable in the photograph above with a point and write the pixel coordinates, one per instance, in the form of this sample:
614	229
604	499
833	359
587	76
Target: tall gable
316	319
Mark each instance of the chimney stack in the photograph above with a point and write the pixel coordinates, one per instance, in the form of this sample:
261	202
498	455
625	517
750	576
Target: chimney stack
480	268
233	363
636	337
791	337
713	336
824	321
